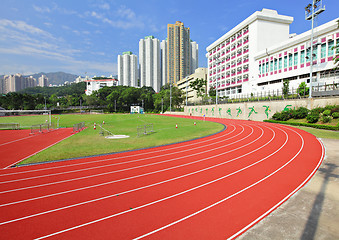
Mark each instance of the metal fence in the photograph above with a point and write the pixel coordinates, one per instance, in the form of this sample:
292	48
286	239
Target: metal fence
45	127
320	90
11	126
78	126
145	129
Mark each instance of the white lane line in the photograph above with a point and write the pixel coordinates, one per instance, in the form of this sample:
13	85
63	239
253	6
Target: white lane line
129	178
37	152
107	173
144	187
125	169
15	140
191	143
288	196
166	198
225	199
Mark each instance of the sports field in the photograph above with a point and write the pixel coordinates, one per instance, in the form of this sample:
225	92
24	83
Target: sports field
215	187
90	142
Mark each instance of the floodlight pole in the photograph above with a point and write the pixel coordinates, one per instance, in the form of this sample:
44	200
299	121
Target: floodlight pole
310	9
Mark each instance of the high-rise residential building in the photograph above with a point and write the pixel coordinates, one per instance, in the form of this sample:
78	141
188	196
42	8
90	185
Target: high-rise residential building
128	69
163	56
178	52
149	63
17	82
43	81
194	56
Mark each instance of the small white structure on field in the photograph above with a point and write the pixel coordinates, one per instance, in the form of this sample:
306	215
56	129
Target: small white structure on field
137	109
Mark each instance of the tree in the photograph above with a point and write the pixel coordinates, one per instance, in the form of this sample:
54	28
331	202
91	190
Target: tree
303	90
286	87
163	98
199	85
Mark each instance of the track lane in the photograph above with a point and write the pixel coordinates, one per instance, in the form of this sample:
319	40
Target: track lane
145	195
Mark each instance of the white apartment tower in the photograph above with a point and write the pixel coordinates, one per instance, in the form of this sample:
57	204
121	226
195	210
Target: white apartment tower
194	56
163	55
43	81
128	69
149	62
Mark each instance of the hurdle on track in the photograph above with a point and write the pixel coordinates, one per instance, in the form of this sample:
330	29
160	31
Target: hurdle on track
11	126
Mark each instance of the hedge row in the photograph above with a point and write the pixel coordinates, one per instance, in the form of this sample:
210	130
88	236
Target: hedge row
318	126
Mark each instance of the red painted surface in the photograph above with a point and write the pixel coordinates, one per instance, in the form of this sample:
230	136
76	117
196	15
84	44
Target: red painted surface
210	188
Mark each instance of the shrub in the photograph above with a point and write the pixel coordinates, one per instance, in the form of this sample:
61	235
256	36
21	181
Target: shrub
301	113
326	119
335	115
336	109
312	118
276	116
327	113
317	110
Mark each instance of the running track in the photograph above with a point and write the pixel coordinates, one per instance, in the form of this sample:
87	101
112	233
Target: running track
211	188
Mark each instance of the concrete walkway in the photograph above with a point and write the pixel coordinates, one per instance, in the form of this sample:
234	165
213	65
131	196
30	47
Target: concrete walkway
312	213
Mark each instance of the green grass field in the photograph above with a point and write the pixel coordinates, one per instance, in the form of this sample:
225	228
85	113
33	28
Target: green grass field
89	142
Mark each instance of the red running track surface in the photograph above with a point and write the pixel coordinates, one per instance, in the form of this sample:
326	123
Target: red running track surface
210	188
17	145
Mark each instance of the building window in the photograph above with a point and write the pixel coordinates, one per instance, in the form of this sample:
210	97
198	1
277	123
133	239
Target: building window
302	56
285	62
259	68
330	48
323	51
295	59
271	66
267	67
280	63
308	54
290	60
315	53
275	64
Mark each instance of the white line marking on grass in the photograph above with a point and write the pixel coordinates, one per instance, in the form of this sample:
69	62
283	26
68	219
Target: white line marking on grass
129	156
169	197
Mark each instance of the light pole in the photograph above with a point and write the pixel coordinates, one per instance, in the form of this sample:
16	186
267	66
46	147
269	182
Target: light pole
216	87
170	97
311	11
186	89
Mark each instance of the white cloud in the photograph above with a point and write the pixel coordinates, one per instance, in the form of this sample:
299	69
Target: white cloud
42	9
104	6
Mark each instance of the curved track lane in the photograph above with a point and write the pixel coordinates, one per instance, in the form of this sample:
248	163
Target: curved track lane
214	187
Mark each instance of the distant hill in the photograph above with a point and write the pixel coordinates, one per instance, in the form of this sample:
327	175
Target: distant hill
55	78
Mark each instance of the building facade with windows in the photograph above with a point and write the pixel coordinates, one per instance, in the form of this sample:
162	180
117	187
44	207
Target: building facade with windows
231	63
128	69
259	53
184	83
149	63
178	52
97	83
291	60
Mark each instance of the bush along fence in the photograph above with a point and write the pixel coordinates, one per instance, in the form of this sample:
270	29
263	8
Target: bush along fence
325	114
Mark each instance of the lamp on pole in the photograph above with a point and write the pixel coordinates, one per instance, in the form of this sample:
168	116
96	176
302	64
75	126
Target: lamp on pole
311	11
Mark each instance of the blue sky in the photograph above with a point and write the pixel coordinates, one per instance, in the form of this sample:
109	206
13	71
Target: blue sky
86	36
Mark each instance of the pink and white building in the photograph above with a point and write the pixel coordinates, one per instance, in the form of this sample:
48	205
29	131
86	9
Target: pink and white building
251	57
96	84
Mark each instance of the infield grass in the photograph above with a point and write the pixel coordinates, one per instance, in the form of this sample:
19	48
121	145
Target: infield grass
89	142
